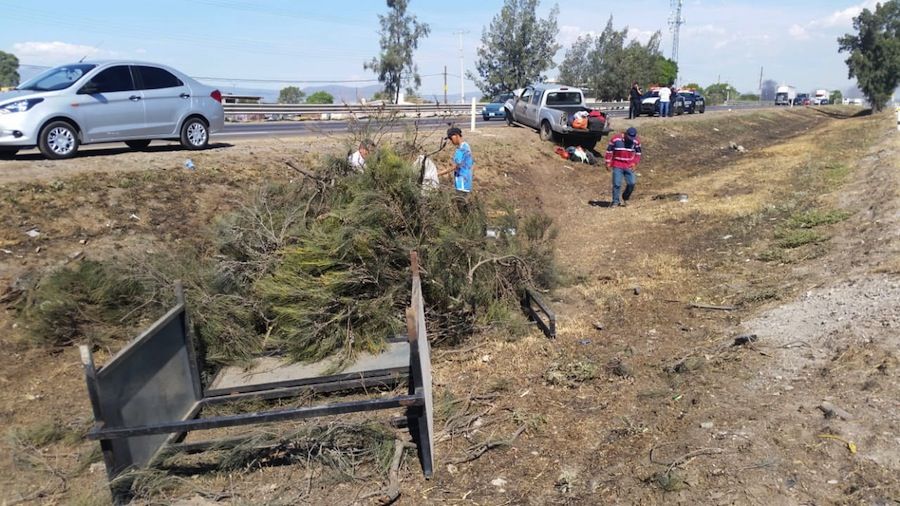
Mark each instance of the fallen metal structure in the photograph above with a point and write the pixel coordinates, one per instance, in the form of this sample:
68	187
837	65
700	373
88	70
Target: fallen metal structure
149	396
539	312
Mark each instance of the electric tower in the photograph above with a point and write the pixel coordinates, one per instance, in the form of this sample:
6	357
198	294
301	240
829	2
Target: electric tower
675	23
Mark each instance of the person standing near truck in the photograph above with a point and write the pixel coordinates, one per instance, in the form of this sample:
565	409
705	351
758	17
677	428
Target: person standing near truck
634	109
623	153
665	94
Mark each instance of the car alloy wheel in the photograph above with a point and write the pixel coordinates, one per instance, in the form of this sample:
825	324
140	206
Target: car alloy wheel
194	134
58	140
61	140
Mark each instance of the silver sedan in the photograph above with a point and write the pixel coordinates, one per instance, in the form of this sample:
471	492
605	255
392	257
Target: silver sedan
90	102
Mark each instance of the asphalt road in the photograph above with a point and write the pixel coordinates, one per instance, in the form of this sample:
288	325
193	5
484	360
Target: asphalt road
291	128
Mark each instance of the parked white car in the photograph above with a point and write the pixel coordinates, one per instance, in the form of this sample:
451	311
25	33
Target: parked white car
110	101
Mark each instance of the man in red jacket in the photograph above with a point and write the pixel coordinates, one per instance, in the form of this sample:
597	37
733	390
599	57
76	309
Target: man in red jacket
622	155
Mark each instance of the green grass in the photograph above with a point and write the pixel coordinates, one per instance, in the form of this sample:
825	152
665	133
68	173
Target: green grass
798	231
835	174
815	218
794	238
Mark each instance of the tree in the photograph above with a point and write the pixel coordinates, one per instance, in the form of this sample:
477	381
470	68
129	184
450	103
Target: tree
290	95
320	97
400	34
576	67
768	90
9	70
749	97
836	97
694	86
719	92
875	52
608	66
516	48
666	70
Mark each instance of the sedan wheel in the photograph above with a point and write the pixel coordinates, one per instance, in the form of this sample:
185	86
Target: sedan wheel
194	134
509	120
58	140
702	108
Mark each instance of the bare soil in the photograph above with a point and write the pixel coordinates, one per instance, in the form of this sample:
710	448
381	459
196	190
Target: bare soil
659	407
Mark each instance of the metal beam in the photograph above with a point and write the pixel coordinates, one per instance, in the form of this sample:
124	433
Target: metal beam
101	433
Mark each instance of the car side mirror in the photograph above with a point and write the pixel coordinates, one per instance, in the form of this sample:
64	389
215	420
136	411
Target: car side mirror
89	89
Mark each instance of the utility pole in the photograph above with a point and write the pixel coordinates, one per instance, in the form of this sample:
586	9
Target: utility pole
675	23
462	74
759	100
445	84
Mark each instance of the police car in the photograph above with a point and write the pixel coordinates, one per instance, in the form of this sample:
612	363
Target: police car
693	101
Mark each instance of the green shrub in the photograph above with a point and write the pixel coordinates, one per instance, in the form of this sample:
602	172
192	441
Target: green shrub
342	286
84	300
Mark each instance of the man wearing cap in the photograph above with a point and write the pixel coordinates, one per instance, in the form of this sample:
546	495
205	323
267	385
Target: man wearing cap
623	153
463	163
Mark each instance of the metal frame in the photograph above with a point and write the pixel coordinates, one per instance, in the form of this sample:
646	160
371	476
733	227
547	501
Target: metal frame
139	382
532	299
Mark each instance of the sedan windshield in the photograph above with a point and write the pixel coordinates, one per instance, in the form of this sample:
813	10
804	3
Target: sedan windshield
57	78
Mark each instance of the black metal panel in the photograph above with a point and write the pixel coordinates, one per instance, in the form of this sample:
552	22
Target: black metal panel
529	302
151	381
420	419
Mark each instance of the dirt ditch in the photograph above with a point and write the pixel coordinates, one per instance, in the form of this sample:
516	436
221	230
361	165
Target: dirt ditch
645	397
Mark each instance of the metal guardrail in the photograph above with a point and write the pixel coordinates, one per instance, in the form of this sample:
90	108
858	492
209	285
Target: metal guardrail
341	110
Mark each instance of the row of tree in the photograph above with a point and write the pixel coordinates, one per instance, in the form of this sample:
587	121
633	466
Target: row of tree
294	95
518	47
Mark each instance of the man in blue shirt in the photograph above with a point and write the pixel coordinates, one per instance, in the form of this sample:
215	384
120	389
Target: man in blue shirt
463	163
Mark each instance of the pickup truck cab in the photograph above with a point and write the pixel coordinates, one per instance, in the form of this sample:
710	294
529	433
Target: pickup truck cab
549	110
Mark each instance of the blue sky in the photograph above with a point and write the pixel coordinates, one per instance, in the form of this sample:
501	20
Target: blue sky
794	41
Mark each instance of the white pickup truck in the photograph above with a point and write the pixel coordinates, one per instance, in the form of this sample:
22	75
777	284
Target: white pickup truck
549	109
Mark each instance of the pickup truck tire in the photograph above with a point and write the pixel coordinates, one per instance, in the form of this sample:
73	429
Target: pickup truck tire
546	131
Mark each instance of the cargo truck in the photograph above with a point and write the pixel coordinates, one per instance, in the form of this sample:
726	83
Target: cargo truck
785	95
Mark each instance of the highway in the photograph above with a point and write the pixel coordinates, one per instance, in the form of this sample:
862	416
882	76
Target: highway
315	127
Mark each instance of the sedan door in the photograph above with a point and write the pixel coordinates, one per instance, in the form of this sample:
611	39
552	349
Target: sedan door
167	100
109	106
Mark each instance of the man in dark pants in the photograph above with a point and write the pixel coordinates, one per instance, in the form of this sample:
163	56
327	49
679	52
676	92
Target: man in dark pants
622	155
634	108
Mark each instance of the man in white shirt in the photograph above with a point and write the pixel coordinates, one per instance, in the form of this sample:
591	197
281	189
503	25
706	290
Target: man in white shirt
358	158
665	95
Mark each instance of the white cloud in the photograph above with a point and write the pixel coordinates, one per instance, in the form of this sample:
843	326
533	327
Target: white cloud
798	32
842	19
703	30
52	53
639	35
568	34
